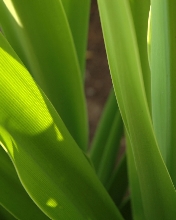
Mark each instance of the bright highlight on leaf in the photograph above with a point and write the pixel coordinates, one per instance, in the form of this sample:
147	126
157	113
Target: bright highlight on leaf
2	145
10	7
45	169
49	53
58	133
47	159
51	203
25	101
125	65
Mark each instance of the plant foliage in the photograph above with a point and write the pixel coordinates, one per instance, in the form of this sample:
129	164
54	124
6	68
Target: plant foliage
47	170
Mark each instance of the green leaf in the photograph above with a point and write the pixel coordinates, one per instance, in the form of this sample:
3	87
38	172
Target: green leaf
102	131
78	17
13	195
140	13
5	215
125	209
43	41
158	193
50	165
163	68
110	150
134	186
118	183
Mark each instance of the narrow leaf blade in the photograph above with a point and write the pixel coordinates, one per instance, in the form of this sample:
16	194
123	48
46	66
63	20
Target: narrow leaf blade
126	73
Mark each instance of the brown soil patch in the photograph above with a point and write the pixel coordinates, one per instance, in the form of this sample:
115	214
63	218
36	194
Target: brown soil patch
98	81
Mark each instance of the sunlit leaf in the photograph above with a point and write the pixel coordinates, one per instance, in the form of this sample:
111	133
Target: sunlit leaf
157	189
50	165
43	41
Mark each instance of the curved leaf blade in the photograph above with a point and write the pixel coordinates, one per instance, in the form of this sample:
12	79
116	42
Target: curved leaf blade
163	67
13	195
78	17
51	167
43	41
158	193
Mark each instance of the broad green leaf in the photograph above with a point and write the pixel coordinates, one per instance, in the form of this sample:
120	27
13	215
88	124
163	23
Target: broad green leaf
40	34
157	190
163	68
50	165
13	195
78	17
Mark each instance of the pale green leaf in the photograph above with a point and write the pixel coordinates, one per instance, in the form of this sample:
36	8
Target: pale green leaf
163	69
157	190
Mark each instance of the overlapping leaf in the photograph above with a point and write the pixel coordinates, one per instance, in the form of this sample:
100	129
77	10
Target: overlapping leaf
158	193
51	167
78	16
40	34
163	68
13	197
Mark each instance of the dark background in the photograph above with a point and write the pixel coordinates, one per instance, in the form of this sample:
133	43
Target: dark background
98	81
